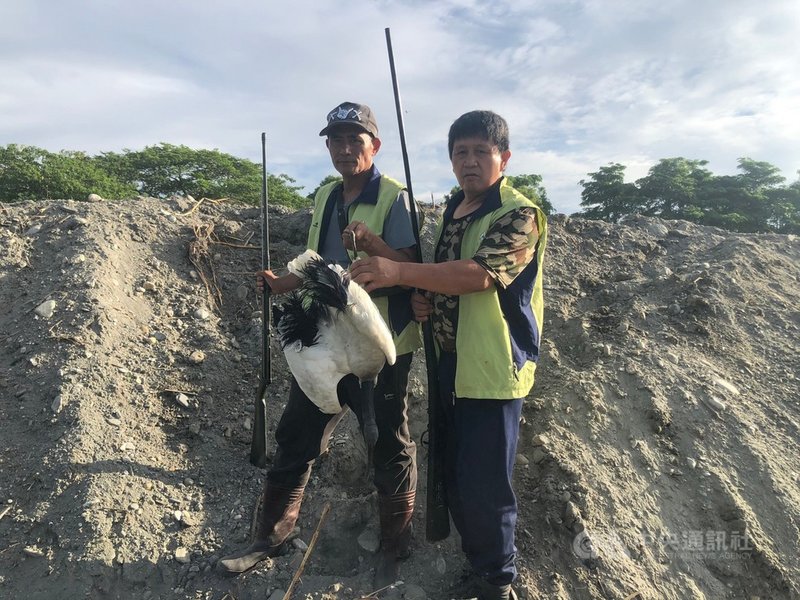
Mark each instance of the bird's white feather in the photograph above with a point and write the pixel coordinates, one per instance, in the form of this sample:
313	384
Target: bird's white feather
296	265
356	340
317	374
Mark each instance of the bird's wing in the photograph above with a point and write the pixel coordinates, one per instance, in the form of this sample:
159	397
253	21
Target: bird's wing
317	374
368	321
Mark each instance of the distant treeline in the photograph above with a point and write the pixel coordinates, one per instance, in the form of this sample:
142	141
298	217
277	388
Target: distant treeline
30	173
755	200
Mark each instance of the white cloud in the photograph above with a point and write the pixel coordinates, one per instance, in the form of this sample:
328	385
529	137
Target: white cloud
581	82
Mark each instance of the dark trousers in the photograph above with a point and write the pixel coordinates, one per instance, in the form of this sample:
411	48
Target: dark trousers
481	448
304	431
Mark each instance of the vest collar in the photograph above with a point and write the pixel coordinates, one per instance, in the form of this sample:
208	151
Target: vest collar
491	202
369	195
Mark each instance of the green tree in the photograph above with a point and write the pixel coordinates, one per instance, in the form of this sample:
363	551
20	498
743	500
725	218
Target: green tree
326	181
282	190
762	183
21	173
784	203
529	186
70	174
751	201
164	170
670	189
453	191
757	175
28	173
721	196
606	196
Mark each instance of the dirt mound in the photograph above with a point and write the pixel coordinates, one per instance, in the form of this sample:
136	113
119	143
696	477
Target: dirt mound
659	451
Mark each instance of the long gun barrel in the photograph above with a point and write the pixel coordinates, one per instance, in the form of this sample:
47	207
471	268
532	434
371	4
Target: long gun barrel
437	518
258	446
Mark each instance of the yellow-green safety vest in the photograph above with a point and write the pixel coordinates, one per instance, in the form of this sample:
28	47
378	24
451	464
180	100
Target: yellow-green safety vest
486	365
373	216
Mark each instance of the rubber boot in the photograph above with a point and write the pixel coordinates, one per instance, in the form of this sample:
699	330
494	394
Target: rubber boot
395	516
489	591
280	507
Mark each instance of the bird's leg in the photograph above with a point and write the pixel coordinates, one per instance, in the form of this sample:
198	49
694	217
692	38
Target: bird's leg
355	247
368	424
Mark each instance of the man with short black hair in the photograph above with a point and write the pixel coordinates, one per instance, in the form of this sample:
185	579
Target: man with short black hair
367	213
484	296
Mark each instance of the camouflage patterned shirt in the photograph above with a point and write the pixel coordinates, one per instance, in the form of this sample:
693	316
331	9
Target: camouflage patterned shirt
507	248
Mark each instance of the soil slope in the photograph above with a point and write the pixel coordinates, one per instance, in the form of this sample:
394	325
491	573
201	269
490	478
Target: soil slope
658	459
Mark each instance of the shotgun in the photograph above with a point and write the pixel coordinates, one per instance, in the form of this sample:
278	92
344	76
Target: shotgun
258	447
437	518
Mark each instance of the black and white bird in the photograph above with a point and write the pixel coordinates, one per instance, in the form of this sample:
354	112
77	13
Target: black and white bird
329	328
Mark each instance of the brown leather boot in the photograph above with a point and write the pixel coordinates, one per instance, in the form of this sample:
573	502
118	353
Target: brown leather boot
395	516
280	507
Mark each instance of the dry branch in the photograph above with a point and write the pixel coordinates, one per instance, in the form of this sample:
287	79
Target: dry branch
200	257
311	545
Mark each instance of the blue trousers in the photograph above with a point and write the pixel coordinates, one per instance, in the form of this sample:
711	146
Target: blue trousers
481	442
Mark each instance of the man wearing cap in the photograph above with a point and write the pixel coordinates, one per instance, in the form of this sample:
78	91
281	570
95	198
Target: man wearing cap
369	214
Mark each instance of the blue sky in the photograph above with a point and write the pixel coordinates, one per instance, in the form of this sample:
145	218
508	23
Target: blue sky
581	82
